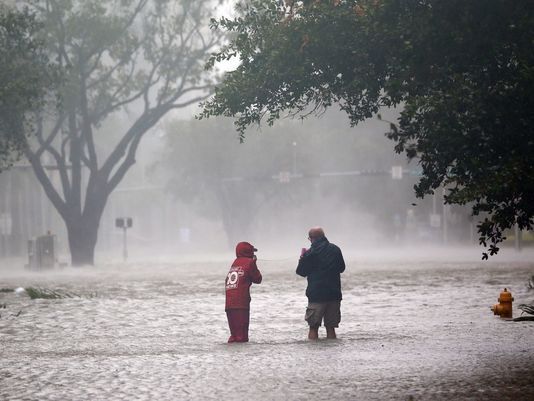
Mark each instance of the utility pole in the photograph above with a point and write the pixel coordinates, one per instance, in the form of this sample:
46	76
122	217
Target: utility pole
125	223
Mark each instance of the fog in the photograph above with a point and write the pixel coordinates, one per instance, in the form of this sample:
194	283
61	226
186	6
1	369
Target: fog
125	162
285	179
195	189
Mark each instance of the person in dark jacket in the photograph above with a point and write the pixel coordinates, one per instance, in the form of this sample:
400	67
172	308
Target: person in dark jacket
322	265
242	274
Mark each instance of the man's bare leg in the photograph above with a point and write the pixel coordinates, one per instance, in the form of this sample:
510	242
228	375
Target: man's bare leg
313	334
330	332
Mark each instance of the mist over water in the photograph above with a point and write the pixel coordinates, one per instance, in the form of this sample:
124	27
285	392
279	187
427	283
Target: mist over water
414	324
195	190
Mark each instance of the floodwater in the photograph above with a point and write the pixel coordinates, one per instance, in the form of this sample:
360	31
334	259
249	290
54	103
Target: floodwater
411	330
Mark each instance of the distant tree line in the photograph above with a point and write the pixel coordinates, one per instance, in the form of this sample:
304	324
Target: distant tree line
285	172
462	72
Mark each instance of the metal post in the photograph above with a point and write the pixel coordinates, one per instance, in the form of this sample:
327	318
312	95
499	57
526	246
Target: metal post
125	244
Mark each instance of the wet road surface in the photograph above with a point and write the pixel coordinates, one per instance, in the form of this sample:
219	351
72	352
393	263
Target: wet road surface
418	330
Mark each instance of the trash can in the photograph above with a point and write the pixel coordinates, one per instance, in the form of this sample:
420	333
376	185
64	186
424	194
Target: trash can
41	253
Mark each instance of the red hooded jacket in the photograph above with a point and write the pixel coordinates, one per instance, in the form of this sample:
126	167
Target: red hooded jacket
242	274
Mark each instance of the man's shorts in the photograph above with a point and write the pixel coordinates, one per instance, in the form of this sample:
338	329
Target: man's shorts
329	311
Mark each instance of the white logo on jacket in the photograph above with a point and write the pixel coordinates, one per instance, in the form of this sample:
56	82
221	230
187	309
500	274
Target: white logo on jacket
232	279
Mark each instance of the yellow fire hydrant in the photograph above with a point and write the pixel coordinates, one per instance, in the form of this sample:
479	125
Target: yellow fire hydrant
504	307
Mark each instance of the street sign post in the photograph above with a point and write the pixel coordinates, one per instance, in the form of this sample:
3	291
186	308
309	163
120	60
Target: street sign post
125	223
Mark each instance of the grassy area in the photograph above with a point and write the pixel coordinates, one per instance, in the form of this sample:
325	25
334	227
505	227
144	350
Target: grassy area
43	293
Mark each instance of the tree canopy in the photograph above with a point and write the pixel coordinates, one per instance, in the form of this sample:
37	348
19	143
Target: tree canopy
25	76
463	73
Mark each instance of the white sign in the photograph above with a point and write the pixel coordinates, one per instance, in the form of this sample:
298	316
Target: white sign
396	172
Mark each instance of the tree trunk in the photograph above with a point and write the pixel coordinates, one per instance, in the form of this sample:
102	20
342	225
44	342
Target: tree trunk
83	230
82	240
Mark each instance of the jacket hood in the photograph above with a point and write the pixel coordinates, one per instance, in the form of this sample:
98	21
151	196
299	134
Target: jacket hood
244	249
319	244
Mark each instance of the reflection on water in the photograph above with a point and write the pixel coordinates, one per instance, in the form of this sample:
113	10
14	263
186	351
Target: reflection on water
420	329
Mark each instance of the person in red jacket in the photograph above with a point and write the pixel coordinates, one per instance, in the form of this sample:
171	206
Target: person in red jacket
242	274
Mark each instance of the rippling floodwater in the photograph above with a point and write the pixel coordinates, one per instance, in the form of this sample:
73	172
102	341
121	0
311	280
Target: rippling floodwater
410	330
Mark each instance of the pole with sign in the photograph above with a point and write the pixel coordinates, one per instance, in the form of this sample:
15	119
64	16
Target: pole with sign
125	223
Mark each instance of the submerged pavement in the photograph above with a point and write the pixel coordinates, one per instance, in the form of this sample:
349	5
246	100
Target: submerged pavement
418	330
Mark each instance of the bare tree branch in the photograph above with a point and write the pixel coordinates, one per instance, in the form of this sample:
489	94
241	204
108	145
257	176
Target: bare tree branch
189	102
47	185
53	133
87	130
115	96
137	127
126	164
61	45
106	76
76	173
60	161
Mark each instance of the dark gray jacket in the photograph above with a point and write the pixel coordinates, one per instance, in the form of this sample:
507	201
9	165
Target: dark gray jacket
322	265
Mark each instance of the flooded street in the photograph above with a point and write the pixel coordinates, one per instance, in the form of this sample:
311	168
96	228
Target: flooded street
410	329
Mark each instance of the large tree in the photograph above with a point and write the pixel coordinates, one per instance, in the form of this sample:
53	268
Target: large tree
144	57
463	73
25	77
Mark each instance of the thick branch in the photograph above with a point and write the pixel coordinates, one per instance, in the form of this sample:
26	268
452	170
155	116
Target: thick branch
87	130
49	189
60	159
75	161
128	162
114	97
120	149
96	195
134	134
106	76
150	83
44	144
189	102
61	44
